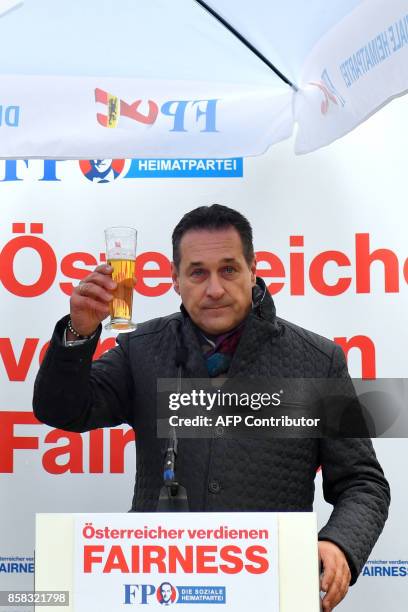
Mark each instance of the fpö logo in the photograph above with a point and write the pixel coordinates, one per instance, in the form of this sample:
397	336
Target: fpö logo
102	170
9	116
108	170
167	594
182	115
329	91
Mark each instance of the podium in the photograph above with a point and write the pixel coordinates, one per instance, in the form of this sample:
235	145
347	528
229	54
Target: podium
223	561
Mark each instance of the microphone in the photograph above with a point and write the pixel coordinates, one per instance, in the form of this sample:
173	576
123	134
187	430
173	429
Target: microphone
173	496
171	454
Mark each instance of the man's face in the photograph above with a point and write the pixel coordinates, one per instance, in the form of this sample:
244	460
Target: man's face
166	592
214	280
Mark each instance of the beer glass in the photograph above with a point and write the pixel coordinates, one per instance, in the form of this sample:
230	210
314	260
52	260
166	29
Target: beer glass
121	254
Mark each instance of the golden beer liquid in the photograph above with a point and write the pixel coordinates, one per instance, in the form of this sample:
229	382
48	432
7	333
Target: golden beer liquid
123	274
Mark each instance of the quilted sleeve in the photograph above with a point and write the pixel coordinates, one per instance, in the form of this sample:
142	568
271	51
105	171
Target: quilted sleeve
73	393
354	483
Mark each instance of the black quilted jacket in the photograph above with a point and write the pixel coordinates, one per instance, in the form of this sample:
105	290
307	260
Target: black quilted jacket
75	394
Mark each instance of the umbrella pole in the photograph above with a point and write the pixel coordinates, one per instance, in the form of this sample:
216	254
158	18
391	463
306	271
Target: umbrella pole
246	42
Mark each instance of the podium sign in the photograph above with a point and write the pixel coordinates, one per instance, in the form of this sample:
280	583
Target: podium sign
166	559
222	561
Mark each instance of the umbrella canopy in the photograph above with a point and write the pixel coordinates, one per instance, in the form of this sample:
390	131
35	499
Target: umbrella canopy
161	78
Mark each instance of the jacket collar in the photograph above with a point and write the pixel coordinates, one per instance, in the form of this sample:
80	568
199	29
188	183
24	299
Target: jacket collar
262	303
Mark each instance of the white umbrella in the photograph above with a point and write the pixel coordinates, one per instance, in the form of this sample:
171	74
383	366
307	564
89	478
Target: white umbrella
188	78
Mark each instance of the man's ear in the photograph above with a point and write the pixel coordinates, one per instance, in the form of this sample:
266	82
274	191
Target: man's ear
253	272
175	277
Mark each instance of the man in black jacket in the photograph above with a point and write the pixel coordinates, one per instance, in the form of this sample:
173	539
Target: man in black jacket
227	327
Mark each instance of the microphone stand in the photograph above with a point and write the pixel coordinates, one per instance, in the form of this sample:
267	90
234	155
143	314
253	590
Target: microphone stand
173	496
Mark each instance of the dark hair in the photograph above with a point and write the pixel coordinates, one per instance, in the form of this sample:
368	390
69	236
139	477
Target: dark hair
214	217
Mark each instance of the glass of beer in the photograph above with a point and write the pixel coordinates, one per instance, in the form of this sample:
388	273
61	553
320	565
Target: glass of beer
121	254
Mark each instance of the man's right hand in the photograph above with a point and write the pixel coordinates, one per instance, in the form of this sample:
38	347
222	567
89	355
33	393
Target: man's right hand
90	300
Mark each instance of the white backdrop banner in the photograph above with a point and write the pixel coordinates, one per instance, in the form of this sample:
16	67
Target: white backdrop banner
330	237
193	547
